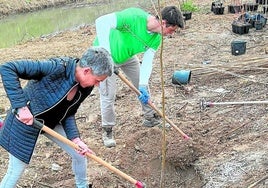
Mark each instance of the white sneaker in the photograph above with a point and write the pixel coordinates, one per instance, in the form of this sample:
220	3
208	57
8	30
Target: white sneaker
107	137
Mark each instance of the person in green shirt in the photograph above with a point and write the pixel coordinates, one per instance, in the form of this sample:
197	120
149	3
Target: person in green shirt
125	34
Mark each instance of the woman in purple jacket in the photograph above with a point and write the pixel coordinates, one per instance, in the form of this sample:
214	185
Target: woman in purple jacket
56	87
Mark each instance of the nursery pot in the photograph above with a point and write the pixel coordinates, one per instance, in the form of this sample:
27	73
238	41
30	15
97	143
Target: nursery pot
241	28
234	8
187	15
181	77
218	9
238	47
250	6
263	21
262	2
258	25
213	4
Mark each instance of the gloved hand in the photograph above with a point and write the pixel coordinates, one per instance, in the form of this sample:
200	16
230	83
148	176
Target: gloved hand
144	96
24	115
83	147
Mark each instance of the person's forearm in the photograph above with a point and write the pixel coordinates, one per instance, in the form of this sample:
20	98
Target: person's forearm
70	127
146	67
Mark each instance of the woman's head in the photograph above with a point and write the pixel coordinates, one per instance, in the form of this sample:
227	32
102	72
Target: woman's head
99	60
95	66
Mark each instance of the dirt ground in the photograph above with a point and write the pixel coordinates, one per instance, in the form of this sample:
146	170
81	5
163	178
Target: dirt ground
228	145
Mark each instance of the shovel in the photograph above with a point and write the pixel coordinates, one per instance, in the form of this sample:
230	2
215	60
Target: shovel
121	76
41	126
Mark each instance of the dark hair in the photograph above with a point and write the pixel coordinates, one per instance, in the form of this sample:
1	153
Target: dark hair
173	16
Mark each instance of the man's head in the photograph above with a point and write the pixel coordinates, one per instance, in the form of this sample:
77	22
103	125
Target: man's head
173	16
95	65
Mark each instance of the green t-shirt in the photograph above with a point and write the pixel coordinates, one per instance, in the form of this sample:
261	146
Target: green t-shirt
131	36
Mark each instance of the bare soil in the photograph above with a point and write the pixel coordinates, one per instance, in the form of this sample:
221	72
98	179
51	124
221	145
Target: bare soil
228	145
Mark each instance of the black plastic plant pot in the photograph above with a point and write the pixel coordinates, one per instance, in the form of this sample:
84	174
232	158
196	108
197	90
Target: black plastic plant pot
240	28
218	10
258	18
238	47
250	7
261	2
234	8
187	15
213	4
263	21
258	25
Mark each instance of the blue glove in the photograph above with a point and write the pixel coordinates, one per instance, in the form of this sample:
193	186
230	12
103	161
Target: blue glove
144	96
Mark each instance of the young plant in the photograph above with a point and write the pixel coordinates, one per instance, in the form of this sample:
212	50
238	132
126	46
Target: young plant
188	6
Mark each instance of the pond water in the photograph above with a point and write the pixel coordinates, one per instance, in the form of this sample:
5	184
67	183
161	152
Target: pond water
22	27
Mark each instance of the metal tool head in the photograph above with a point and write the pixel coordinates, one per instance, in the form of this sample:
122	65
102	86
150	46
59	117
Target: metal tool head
203	104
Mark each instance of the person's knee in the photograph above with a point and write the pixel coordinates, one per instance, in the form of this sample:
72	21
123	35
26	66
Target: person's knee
77	158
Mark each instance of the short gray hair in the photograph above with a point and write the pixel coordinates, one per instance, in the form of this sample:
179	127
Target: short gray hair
99	60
